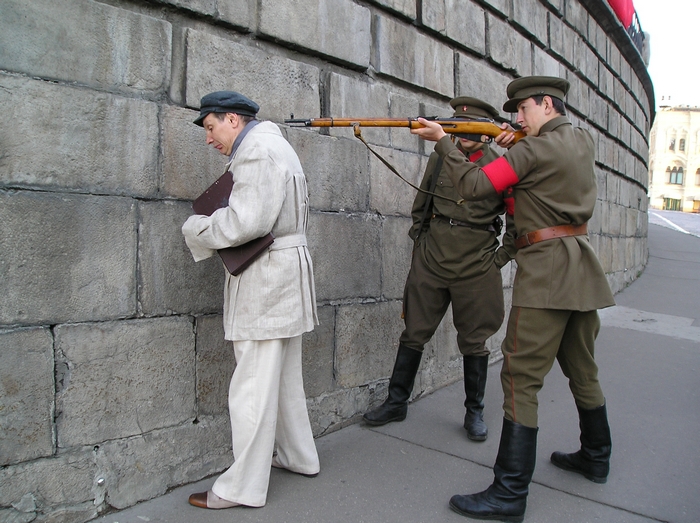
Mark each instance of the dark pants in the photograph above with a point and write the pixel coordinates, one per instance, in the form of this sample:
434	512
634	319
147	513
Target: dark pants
535	337
477	307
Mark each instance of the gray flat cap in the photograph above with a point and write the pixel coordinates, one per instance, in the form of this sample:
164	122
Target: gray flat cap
226	102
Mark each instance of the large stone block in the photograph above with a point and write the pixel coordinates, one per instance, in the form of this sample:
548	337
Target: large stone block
65	480
66	258
189	164
598	111
397	249
26	395
134	468
403	7
346	252
389	194
412	57
576	15
544	64
350	97
59	489
170	282
606	82
317	354
367	336
90	149
614	59
241	13
339	30
502	6
125	378
587	62
578	97
342	407
87	42
562	39
215	365
279	85
509	49
598	39
531	15
336	169
401	106
462	22
477	78
557	5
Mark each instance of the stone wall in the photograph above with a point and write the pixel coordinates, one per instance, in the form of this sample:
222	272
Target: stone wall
113	368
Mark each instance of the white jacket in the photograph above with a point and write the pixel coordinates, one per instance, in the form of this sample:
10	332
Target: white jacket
275	297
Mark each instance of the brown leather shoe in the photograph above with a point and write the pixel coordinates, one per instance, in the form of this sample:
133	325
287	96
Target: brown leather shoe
210	500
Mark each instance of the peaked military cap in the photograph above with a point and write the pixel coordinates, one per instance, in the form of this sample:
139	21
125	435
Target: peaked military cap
528	86
473	108
226	102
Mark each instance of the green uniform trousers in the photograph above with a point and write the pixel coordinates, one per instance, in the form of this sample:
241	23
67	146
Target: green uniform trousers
533	339
477	307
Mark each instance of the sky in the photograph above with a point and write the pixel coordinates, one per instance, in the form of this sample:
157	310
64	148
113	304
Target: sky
673	27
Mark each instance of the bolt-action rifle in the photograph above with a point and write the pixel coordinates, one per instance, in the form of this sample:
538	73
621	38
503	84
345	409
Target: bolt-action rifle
453	125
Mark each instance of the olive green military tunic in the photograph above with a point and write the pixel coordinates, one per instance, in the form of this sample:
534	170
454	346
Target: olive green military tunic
455	260
559	284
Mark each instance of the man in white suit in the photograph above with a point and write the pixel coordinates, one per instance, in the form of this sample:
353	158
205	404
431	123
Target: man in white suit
267	307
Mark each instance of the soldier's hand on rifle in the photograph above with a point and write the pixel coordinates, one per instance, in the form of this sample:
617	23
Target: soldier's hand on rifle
506	138
432	131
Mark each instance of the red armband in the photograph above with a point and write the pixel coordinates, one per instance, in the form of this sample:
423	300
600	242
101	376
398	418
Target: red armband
500	174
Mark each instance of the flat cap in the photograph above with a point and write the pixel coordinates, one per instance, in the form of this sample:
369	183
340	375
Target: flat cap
473	108
527	86
226	102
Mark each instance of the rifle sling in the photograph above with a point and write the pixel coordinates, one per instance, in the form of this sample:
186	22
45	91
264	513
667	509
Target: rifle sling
358	134
429	199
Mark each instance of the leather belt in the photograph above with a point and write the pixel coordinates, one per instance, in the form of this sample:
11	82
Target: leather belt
459	223
559	231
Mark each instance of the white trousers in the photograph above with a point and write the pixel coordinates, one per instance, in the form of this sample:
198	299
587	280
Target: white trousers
267	405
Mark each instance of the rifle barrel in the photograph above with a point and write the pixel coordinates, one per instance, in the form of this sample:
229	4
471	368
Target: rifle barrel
449	125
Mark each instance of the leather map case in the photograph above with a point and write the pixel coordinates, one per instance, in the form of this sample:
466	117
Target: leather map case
236	259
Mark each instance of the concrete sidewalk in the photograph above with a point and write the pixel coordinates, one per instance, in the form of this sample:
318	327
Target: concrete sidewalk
649	357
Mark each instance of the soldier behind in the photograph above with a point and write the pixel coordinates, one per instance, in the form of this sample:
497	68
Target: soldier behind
457	259
558	287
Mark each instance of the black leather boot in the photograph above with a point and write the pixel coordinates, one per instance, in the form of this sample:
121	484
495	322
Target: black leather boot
475	370
593	460
506	498
400	386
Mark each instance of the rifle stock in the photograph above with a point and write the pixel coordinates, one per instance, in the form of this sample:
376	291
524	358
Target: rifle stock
449	125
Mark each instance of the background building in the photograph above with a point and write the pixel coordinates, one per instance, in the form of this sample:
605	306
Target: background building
674	159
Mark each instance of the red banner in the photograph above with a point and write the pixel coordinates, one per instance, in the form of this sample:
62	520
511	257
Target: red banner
624	9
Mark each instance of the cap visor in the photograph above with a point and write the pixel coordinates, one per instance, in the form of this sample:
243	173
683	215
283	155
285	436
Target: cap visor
511	106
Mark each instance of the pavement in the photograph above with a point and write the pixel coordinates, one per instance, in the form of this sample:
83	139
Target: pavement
648	352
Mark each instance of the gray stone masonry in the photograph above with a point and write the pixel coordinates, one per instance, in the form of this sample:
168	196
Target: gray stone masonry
114	370
339	30
462	22
26	394
412	57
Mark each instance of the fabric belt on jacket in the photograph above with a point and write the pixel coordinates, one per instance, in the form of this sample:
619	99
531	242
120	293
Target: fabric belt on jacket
459	223
559	231
287	242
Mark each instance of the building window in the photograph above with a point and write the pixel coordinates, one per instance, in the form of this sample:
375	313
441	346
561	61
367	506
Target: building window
681	145
697	177
672	145
676	176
